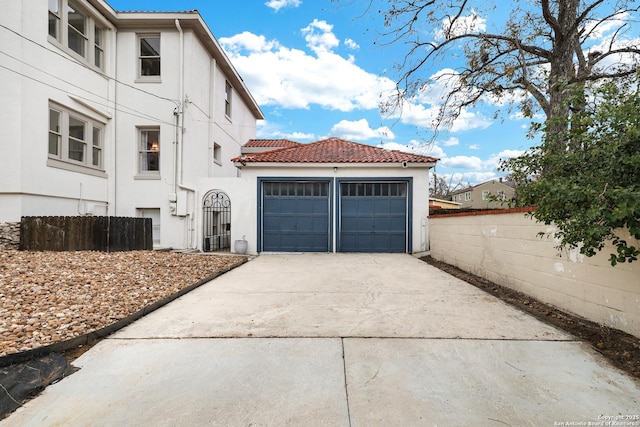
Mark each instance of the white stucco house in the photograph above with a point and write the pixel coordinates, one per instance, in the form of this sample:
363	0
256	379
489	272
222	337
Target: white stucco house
115	113
141	114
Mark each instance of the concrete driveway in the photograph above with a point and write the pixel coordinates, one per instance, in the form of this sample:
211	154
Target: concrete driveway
337	340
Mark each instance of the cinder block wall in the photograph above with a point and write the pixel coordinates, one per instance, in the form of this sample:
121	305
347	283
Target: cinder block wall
504	247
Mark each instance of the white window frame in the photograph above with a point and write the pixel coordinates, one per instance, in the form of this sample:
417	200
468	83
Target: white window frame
142	152
486	194
228	95
156	78
217	154
92	23
91	148
55	16
467	196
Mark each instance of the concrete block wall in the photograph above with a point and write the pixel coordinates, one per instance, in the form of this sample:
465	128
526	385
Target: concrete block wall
9	235
504	247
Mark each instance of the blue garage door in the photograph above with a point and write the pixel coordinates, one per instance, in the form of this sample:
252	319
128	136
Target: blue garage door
373	217
295	216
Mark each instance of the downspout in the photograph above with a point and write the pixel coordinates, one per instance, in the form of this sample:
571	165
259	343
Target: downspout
179	113
180	143
112	211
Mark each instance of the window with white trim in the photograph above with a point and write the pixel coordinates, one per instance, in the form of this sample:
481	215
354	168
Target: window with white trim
74	138
54	19
228	92
217	154
149	55
84	36
485	195
149	151
467	196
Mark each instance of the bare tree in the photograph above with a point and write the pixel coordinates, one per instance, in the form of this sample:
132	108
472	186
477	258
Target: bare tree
440	188
537	60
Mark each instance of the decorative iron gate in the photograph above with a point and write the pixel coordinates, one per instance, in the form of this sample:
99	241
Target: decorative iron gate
216	214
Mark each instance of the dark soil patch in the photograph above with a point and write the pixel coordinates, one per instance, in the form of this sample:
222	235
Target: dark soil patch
620	348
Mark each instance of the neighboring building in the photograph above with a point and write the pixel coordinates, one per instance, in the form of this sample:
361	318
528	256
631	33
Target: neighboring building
443	204
333	196
494	194
117	113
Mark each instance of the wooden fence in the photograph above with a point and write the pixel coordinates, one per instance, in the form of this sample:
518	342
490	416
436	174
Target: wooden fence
85	233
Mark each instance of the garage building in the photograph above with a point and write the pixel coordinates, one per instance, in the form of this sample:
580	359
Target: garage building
335	195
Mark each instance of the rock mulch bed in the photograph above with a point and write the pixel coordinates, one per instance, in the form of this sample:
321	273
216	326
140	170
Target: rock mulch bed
48	297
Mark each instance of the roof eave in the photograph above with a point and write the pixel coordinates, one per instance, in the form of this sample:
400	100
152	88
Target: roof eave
354	165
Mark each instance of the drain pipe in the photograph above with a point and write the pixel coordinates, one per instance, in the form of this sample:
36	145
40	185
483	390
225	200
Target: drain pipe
179	112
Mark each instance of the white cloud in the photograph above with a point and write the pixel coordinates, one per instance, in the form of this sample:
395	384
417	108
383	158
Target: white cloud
463	25
451	142
424	109
292	78
425	116
474	147
319	36
463	162
360	130
351	44
494	160
279	4
415	147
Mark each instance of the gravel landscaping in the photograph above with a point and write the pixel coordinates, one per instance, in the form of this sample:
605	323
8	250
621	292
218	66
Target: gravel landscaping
48	297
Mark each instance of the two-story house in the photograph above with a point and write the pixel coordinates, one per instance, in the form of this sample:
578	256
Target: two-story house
494	194
116	113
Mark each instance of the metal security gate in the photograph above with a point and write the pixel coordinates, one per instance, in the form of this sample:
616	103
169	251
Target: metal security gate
373	217
295	216
216	218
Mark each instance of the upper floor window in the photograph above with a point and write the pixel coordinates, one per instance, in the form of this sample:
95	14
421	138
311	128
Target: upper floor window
84	36
98	47
149	151
77	31
149	55
228	92
467	196
54	19
485	195
74	138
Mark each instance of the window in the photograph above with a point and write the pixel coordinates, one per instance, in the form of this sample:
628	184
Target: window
154	214
97	147
501	195
228	91
98	47
84	36
467	196
77	31
74	139
149	152
486	194
149	55
217	154
54	18
55	135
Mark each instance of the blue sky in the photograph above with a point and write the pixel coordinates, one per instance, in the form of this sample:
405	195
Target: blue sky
317	69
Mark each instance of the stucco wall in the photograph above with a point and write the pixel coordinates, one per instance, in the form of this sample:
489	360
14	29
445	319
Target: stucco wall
505	249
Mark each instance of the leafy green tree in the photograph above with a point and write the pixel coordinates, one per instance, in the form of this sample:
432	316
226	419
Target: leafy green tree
591	191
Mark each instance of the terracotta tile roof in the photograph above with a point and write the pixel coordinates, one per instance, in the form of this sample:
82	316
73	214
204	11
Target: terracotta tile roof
277	143
333	150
